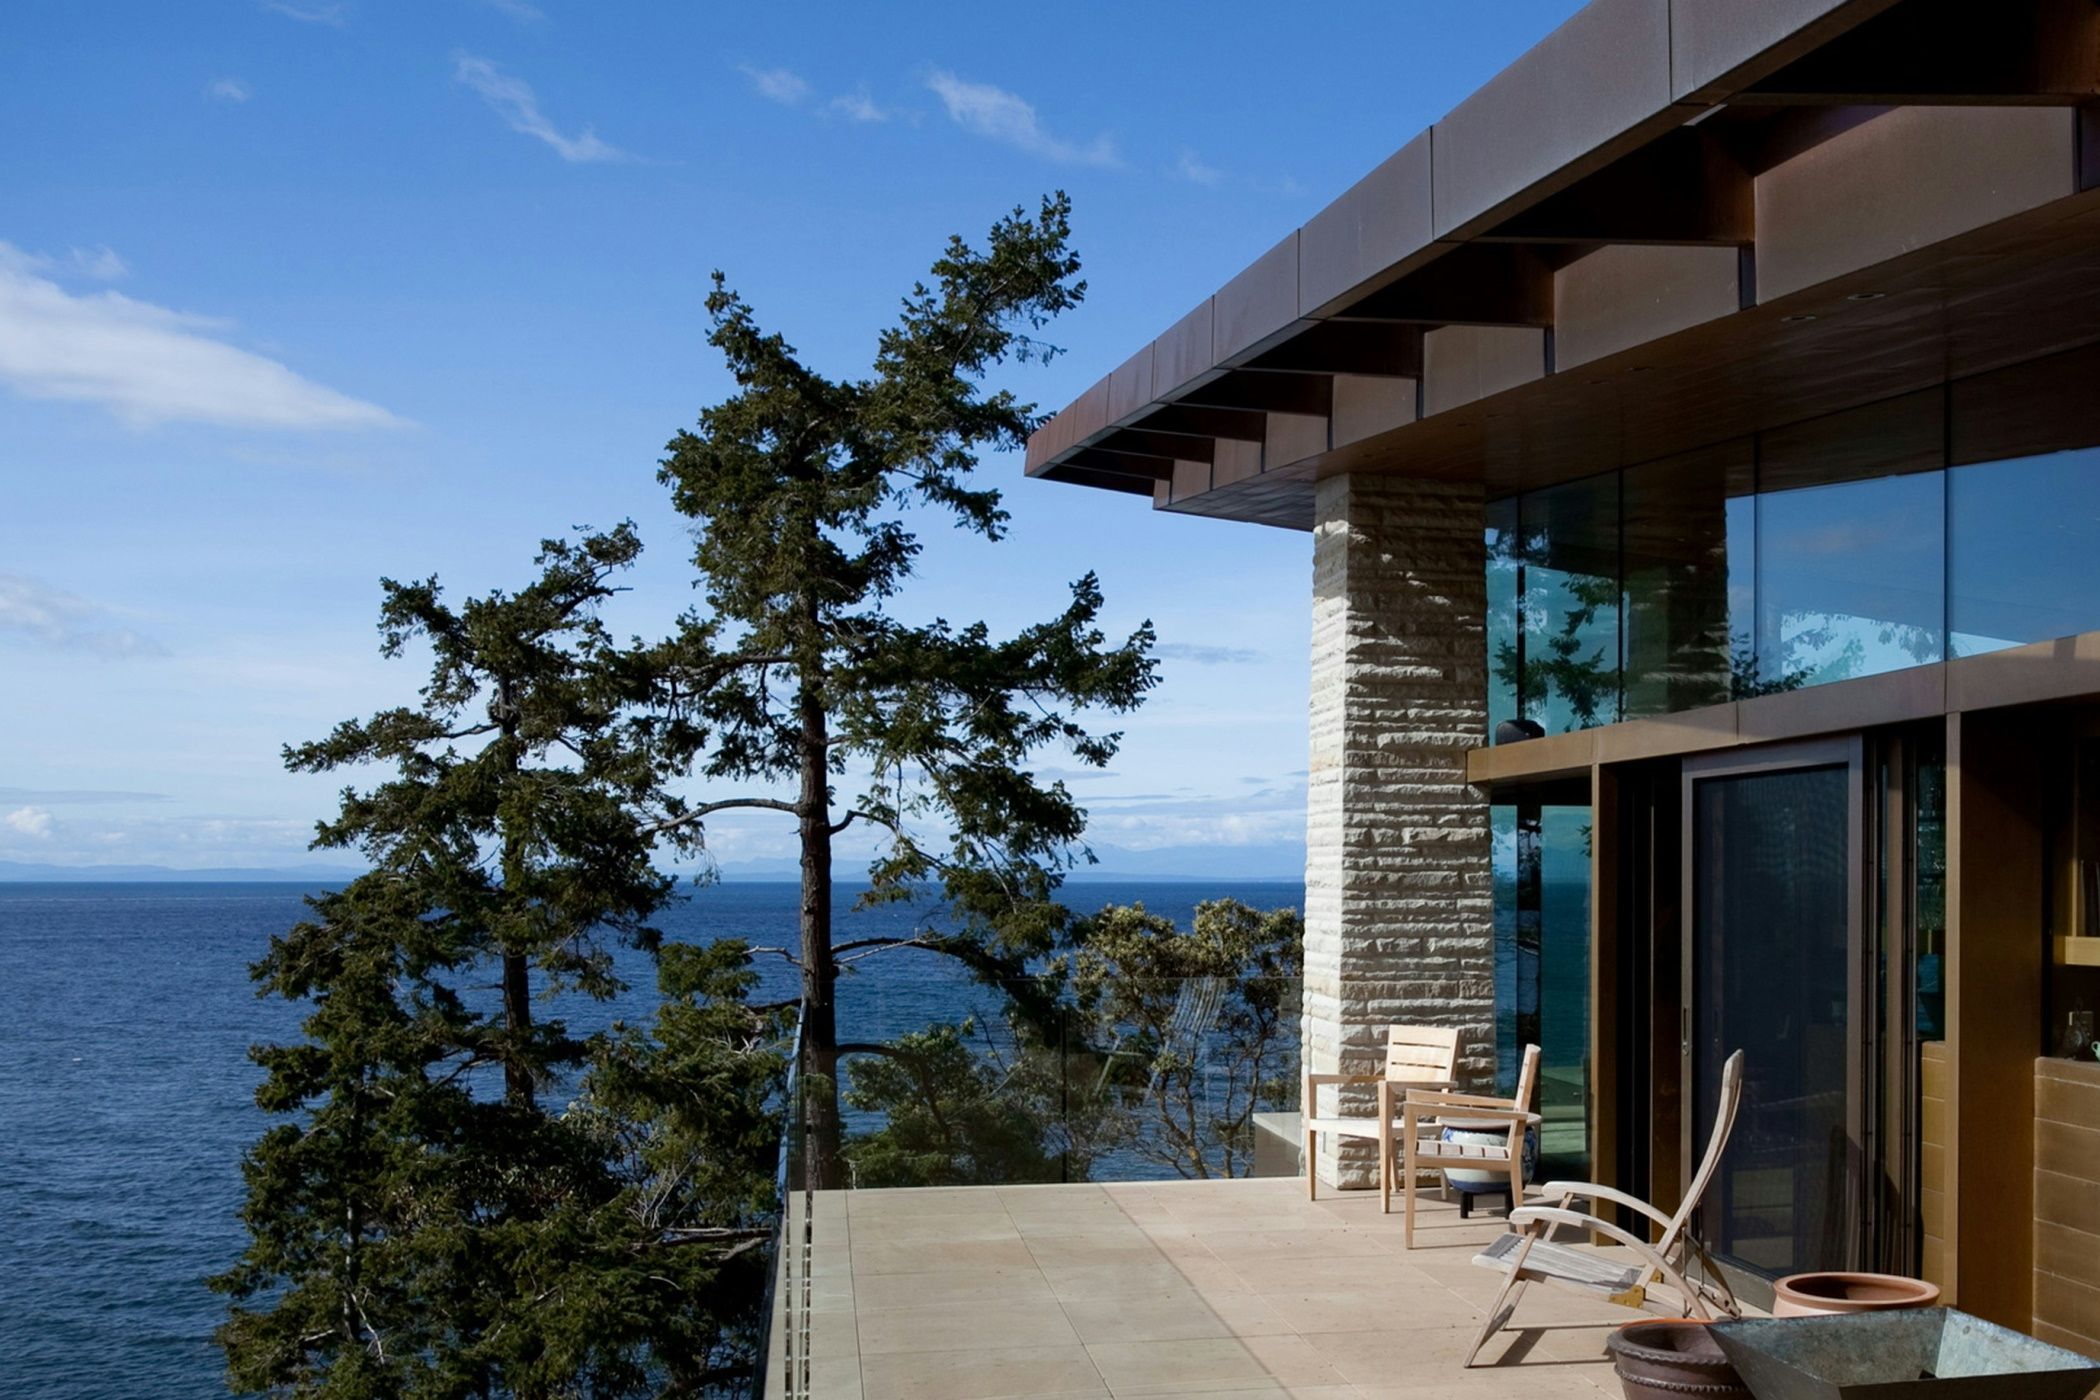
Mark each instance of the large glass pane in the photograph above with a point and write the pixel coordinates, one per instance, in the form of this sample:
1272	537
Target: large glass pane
1676	543
1505	575
1564	991
1851	579
1516	902
1570	670
2022	565
1770	941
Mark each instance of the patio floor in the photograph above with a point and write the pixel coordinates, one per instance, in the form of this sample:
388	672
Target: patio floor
1223	1288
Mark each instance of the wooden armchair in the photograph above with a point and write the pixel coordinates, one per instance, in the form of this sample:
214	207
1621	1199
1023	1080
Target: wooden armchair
1419	1057
1419	1134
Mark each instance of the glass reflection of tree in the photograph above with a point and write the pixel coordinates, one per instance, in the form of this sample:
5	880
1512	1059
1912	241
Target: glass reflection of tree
1583	672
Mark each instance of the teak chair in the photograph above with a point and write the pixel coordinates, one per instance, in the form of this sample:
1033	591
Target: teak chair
1526	1256
1422	1057
1422	1147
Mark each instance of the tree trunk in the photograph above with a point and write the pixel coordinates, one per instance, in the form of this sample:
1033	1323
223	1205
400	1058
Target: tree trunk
820	1029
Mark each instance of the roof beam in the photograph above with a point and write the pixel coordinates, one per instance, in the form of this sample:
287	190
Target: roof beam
1475	284
1106	481
1144	443
1686	188
1204	421
1266	390
1950	53
1348	347
1135	464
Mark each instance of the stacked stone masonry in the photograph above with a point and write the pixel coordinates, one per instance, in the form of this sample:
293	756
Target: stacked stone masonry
1398	881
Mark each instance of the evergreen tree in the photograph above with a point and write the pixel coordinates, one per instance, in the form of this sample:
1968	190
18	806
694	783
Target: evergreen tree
803	488
426	1224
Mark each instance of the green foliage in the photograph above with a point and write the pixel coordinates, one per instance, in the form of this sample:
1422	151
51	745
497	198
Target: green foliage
958	1111
423	1225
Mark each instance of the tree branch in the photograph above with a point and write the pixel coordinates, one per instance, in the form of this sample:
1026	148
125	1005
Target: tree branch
708	809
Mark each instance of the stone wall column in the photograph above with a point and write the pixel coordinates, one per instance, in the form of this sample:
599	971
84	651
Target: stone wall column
1398	883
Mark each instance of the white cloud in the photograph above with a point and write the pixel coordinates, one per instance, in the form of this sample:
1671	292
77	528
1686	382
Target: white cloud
1192	169
1005	117
147	364
102	263
329	12
513	100
227	90
1204	655
33	822
781	85
857	106
36	610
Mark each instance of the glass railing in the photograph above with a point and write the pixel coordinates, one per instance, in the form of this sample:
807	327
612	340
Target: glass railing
1064	1080
782	1372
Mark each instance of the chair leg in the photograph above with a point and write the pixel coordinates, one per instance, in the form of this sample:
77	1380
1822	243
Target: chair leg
1407	1194
1385	1173
1499	1312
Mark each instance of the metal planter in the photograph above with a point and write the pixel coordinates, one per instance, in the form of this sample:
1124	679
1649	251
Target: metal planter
1916	1354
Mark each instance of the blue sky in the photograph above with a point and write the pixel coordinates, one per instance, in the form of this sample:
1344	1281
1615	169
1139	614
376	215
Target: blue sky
298	293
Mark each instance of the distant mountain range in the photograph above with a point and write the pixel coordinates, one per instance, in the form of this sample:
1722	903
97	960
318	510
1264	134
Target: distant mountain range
1283	861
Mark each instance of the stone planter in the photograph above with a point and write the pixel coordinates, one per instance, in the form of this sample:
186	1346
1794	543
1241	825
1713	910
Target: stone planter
1672	1359
1841	1291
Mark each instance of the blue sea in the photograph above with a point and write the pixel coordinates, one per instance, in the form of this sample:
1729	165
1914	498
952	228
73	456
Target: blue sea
126	1097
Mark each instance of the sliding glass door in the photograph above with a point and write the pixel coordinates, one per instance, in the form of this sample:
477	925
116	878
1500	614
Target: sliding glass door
1772	967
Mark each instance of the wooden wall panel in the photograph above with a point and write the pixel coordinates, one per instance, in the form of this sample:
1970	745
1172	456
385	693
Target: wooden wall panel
2067	1204
1935	1133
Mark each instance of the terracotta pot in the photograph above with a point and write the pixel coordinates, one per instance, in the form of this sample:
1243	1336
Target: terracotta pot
1841	1291
1672	1359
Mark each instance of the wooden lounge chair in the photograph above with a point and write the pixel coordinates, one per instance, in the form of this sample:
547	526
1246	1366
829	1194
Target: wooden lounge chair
1525	1256
1421	1145
1423	1057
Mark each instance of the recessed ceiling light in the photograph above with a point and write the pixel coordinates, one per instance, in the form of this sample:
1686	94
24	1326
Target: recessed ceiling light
1866	296
1798	317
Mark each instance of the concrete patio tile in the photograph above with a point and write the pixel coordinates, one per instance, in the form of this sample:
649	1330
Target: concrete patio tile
1015	1287
836	1378
965	1327
888	1204
1267	1390
1379	1275
1357	1310
965	1228
960	1257
1178	1316
1184	1367
1065	1371
1258	1246
1120	1277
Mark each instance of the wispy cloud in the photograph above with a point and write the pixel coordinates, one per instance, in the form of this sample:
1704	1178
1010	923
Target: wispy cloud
513	99
146	363
782	85
1005	117
329	12
102	263
857	106
522	11
33	822
227	90
1191	168
52	617
59	797
1206	655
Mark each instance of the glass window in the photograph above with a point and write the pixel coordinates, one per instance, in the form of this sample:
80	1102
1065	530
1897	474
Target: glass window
1564	990
2023	551
1851	580
1677	541
1505	575
1570	664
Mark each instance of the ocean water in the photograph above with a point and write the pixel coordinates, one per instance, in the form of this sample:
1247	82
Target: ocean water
126	1098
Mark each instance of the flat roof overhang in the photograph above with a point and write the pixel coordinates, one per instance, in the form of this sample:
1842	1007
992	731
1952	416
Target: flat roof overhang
1671	223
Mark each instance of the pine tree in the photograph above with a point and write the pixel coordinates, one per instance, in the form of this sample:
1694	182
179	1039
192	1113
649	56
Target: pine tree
803	489
468	1199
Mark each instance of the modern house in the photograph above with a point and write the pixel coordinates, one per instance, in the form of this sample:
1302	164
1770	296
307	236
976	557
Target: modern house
1699	434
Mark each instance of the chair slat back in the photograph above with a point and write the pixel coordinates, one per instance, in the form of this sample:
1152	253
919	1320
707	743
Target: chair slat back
1527	1080
1421	1054
1724	1124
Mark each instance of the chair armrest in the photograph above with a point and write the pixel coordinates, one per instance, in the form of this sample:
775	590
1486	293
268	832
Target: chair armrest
1417	1110
1566	1190
1456	1100
1315	1080
1525	1217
